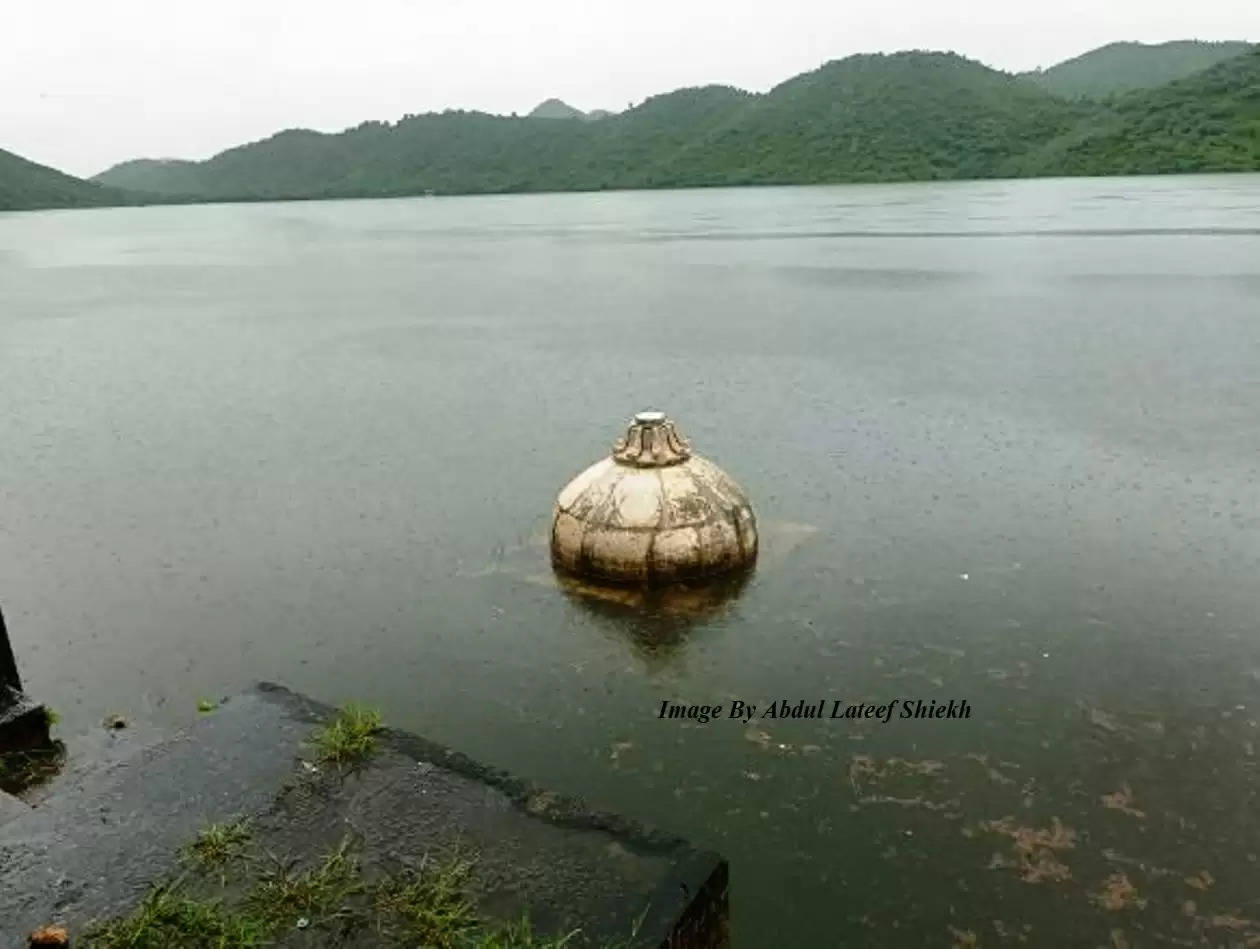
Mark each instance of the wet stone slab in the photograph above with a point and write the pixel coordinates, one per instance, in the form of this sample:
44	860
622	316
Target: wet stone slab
94	848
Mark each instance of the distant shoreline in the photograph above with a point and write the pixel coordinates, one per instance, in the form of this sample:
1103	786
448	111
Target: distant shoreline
908	117
304	199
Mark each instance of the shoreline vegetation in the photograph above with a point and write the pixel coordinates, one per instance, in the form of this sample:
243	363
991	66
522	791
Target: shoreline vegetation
232	892
879	118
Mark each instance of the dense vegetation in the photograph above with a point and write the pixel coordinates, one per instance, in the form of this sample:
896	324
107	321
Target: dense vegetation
25	185
909	116
866	118
1207	122
899	117
1124	67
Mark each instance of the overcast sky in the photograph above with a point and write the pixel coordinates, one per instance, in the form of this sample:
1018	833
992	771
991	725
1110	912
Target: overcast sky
87	83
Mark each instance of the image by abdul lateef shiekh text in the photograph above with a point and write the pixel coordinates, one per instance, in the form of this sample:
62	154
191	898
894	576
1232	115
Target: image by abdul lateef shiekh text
901	708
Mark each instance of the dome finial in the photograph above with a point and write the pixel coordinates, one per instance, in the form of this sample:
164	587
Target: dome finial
652	513
651	441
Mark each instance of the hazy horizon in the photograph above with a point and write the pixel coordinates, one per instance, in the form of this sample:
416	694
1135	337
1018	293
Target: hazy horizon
140	80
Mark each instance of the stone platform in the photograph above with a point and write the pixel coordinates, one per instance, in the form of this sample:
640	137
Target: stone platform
93	847
23	723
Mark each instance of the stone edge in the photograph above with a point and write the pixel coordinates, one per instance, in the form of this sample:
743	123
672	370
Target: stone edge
689	909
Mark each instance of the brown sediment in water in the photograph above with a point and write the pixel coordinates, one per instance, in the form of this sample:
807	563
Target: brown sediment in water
1034	849
1122	801
1118	893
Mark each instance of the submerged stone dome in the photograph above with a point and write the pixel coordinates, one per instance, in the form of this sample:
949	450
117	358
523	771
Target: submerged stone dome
652	512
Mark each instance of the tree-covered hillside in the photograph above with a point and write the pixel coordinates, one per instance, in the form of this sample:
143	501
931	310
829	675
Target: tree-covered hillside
1207	122
866	118
24	185
178	176
1124	67
899	117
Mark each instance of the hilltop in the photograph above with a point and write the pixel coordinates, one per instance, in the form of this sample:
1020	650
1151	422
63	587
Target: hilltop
558	109
555	109
1125	67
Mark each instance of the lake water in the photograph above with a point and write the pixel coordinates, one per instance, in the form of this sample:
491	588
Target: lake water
1002	438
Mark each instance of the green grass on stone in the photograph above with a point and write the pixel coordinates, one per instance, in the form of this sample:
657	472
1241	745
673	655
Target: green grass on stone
167	918
258	899
218	844
430	907
285	896
331	898
350	736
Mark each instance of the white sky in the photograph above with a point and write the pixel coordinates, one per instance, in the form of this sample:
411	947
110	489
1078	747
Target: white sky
87	83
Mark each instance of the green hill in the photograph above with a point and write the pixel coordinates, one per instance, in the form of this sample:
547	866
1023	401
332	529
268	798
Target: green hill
866	118
1207	122
24	185
1124	67
135	175
900	117
555	109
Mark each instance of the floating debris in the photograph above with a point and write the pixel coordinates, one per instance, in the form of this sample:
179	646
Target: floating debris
950	806
1232	922
1202	880
866	768
49	936
1035	849
995	775
1148	869
964	938
1106	722
758	737
1118	893
1122	801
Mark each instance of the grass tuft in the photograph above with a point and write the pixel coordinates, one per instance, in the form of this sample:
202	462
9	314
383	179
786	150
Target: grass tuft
166	918
268	899
218	844
519	935
318	895
350	736
431	907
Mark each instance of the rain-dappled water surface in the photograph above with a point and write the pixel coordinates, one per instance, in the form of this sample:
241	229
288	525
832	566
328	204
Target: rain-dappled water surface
1002	438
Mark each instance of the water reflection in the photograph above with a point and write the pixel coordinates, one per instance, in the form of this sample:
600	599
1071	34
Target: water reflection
22	772
656	621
